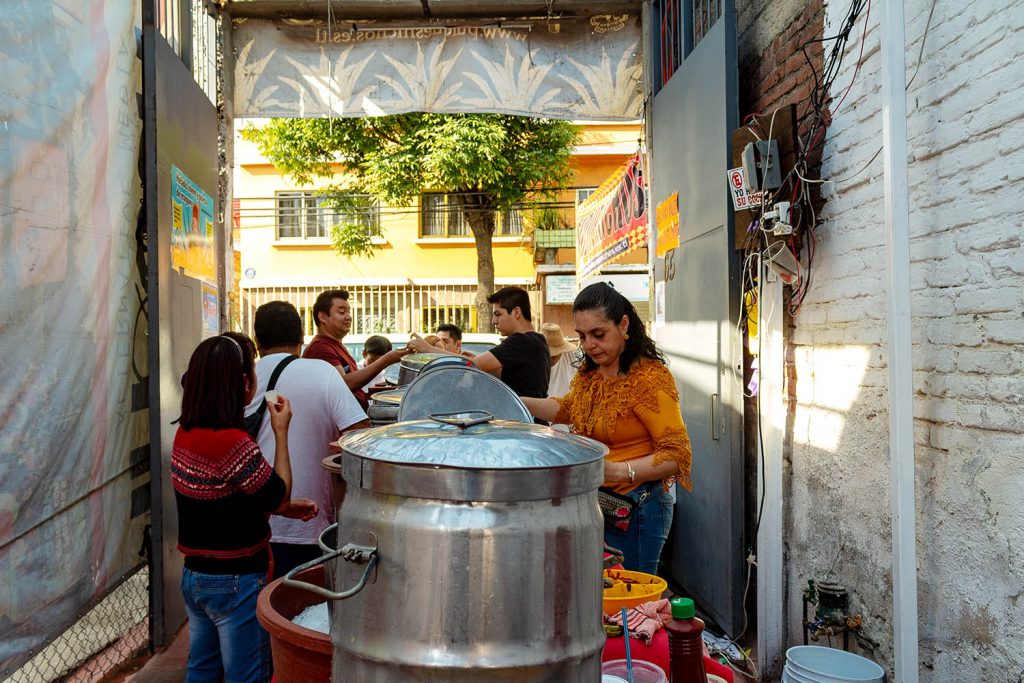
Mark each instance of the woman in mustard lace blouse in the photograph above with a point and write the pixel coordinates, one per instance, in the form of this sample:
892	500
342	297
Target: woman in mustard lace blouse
625	397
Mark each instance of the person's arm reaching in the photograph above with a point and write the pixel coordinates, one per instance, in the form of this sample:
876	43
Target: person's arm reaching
542	408
360	376
485	361
280	417
488	363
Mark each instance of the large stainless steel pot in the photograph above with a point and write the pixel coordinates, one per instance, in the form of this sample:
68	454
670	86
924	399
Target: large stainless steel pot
383	408
411	366
470	550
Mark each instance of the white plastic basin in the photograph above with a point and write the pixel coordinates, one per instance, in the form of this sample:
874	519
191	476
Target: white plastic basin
828	665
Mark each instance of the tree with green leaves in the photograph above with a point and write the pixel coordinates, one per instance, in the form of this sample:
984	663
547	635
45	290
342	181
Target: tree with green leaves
494	161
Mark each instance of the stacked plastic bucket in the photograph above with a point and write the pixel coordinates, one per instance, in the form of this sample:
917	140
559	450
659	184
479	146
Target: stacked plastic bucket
810	664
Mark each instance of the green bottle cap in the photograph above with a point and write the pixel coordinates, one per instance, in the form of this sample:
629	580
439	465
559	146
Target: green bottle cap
682	608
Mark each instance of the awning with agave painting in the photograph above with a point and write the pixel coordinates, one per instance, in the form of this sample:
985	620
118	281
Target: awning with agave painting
582	69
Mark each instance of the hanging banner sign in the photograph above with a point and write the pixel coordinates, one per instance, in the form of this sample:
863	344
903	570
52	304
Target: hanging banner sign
613	220
587	68
666	216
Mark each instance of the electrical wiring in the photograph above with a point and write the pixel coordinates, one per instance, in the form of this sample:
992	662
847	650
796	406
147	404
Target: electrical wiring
796	186
860	60
917	68
920	52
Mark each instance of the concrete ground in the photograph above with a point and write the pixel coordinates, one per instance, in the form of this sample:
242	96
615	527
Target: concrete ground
166	666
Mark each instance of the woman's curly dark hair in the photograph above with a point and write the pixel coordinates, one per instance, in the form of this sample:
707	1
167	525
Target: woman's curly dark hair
602	296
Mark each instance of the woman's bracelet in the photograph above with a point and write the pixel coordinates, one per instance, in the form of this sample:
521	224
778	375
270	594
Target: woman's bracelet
632	474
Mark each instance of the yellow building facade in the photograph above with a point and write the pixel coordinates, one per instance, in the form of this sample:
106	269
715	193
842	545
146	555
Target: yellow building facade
423	271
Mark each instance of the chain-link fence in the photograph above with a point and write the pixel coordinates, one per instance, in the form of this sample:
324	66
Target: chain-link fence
102	641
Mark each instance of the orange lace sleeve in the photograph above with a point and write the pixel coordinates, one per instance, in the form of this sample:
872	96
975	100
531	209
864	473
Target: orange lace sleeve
565	404
665	424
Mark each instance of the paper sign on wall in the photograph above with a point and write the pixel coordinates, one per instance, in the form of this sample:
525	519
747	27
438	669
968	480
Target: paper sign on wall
659	303
667	218
193	246
741	198
211	310
560	289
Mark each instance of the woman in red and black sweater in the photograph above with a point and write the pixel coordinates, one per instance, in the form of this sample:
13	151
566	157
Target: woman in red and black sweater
225	492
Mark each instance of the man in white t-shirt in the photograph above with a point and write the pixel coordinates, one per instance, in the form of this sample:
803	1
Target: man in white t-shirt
563	362
322	408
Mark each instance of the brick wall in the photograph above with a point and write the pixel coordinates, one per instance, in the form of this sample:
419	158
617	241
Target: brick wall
773	70
966	172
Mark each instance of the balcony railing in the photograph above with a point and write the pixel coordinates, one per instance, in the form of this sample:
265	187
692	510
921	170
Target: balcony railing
555	239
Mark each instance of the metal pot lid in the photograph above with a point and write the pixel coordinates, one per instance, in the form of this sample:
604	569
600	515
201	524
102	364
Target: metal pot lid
472	440
446	388
391	397
446	361
416	361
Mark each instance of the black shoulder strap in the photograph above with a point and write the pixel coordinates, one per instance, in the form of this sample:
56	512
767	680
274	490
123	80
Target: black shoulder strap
258	415
278	370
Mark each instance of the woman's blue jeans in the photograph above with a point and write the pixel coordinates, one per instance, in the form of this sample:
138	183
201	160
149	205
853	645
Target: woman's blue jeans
225	641
641	544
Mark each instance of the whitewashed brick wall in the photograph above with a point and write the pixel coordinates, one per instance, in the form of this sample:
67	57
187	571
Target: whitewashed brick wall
966	172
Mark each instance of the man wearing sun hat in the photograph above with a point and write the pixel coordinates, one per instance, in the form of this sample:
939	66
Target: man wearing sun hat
562	367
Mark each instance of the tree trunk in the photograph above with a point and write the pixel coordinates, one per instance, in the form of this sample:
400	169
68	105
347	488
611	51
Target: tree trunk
479	212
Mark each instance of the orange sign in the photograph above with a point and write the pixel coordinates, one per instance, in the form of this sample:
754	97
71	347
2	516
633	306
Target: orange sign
666	216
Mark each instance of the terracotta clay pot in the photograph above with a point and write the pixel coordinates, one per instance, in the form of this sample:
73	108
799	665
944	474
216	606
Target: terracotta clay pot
300	654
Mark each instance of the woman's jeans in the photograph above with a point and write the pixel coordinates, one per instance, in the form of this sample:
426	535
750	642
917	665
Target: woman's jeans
641	544
225	642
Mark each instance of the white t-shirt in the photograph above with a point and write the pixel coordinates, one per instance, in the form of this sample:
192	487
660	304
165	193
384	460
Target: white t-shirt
322	405
379	379
562	373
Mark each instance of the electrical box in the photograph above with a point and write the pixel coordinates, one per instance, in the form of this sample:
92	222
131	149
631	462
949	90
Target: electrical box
761	165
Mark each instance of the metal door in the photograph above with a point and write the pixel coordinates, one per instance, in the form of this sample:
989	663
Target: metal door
180	144
692	117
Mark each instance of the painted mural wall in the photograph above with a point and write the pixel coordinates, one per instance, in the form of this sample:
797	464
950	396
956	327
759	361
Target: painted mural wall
73	431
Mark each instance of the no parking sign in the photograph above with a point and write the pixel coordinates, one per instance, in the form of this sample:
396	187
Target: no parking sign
741	198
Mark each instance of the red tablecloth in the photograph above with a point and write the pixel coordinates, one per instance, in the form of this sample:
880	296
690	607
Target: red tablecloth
656	653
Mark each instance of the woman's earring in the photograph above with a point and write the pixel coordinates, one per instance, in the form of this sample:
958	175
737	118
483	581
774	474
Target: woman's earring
626	336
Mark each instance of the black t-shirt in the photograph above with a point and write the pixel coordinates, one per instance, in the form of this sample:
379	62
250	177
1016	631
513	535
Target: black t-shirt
525	363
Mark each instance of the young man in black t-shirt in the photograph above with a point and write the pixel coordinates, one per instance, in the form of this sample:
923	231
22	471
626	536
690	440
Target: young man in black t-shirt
521	360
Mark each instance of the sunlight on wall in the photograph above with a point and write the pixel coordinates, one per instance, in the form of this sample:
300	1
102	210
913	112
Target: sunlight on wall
829	382
692	351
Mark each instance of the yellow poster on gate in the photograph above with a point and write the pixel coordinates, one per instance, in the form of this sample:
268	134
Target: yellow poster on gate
666	217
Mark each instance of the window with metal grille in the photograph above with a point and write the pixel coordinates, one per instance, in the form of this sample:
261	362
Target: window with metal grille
308	215
511	222
442	214
705	14
583	193
679	27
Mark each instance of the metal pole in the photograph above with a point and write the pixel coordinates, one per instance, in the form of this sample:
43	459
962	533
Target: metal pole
771	409
901	385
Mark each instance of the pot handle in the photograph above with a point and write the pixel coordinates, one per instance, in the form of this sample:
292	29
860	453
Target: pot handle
351	553
463	418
